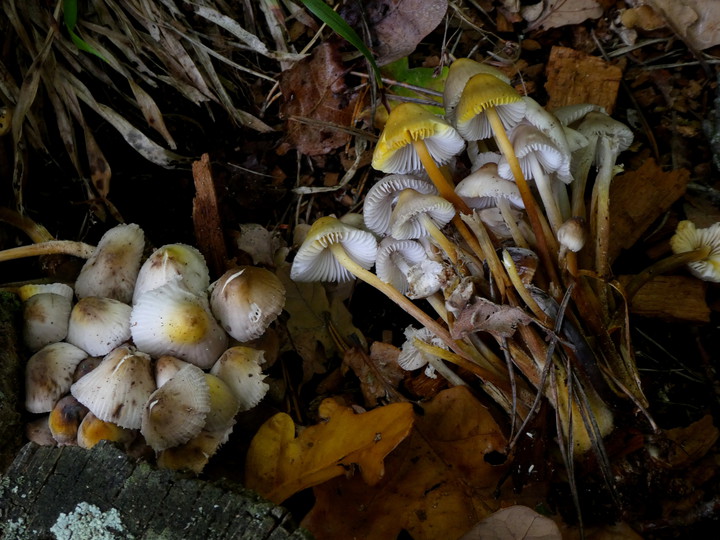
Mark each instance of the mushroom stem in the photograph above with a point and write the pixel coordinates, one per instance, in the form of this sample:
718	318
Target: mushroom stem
506	212
393	294
435	356
522	290
51	247
492	259
663	266
446	245
531	206
600	214
443	185
545	189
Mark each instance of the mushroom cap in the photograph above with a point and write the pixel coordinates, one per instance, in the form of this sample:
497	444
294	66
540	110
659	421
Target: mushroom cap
171	320
223	404
459	73
600	125
113	268
166	367
315	262
194	454
572	234
688	237
481	92
392	253
532	144
118	388
246	300
175	412
411	357
569	114
482	188
45	319
49	375
92	430
381	198
239	368
410	122
405	220
27	291
98	325
65	419
173	262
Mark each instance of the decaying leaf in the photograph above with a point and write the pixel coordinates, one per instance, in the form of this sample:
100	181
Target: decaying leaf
515	523
685	445
697	21
399	25
280	464
482	315
311	314
379	373
438	483
315	88
557	13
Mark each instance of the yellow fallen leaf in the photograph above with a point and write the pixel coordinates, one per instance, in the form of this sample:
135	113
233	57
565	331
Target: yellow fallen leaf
279	464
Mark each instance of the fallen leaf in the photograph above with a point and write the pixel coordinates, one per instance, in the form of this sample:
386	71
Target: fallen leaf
485	316
514	523
314	88
379	373
696	21
400	25
682	446
279	464
438	482
564	12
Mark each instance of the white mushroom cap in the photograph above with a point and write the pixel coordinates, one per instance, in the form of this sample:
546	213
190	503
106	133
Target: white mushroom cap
117	390
45	319
408	122
315	262
394	259
98	325
239	368
258	242
166	367
532	144
460	72
175	412
246	300
411	357
49	375
173	262
598	124
113	268
381	198
405	223
27	291
172	321
482	188
569	114
572	235
688	238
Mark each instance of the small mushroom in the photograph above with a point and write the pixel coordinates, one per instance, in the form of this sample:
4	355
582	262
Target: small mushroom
381	198
412	357
49	375
239	368
173	262
45	319
246	300
64	420
172	321
459	73
112	269
92	430
118	388
98	325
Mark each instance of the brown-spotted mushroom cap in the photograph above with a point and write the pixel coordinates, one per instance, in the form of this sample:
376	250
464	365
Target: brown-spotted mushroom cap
112	269
240	368
98	325
170	263
117	390
49	375
45	319
246	300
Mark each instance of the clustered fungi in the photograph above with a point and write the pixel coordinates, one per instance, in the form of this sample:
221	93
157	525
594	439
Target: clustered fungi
506	277
150	355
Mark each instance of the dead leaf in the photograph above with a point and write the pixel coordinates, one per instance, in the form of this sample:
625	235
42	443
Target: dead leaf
315	88
379	373
438	483
515	523
696	21
279	464
564	12
684	445
484	316
400	25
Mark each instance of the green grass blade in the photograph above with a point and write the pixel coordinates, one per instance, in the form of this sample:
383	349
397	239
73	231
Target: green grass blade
70	15
325	13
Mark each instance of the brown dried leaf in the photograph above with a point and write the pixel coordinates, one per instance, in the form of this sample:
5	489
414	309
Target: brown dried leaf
379	373
438	483
152	113
563	12
315	88
399	25
484	316
515	523
697	21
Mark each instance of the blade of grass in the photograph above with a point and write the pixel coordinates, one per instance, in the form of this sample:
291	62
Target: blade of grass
70	19
326	14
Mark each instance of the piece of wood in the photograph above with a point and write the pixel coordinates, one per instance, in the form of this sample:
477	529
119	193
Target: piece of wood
672	298
206	218
11	379
638	198
104	494
575	77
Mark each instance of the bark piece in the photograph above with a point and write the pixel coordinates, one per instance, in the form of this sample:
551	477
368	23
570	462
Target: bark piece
206	217
45	482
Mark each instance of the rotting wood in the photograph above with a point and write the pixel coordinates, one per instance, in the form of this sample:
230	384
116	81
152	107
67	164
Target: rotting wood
11	428
127	500
206	217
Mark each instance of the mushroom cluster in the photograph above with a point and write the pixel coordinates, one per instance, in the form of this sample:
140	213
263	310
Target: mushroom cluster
147	353
496	251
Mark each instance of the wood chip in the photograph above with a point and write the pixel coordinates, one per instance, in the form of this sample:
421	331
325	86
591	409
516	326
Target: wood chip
206	217
672	298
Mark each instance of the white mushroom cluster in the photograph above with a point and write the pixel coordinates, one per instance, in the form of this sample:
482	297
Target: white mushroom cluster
147	352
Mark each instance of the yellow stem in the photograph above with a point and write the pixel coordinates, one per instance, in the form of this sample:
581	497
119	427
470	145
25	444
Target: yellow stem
522	290
52	247
443	185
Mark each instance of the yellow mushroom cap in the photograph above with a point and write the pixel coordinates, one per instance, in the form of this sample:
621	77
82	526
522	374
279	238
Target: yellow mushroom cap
64	419
481	92
92	430
688	238
410	122
239	368
460	72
